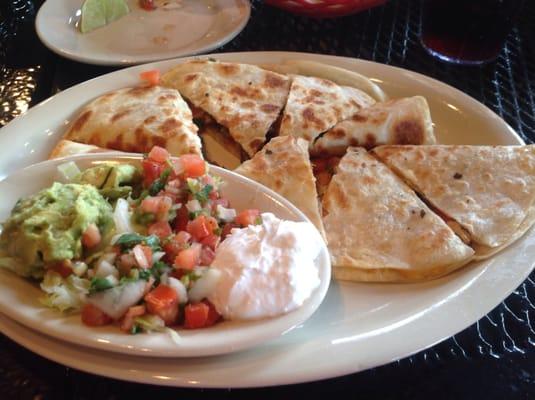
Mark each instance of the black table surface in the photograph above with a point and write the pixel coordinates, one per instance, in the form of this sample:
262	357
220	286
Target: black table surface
493	359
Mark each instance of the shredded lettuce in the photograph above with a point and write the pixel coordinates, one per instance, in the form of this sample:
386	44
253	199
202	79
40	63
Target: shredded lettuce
64	294
153	323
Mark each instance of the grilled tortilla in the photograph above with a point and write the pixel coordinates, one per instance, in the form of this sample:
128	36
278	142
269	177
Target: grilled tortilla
488	190
135	120
65	148
283	165
316	105
401	121
379	230
245	99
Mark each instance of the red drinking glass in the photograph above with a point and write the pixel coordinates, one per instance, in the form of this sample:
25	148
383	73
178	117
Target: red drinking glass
467	31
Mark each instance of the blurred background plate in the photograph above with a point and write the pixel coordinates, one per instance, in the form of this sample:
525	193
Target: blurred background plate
142	36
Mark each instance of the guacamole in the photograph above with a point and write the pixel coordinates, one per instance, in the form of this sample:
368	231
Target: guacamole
47	227
112	181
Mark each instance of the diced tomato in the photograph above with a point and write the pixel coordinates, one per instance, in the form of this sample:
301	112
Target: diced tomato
126	262
158	154
163	302
212	241
199	228
188	258
147	5
247	217
227	228
94	316
158	205
143	256
182	218
128	319
212	224
163	207
162	229
207	256
152	77
193	165
183	237
175	244
63	267
150	204
200	315
91	236
151	171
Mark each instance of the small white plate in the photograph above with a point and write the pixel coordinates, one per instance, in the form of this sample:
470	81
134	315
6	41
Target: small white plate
19	298
142	36
358	326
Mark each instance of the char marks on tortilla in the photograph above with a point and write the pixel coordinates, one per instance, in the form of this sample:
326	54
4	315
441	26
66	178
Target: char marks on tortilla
284	166
135	120
379	230
245	99
315	105
400	121
488	190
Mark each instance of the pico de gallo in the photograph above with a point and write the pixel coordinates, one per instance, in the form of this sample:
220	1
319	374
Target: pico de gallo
142	260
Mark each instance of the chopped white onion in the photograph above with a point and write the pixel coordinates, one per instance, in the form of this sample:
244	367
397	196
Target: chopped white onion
225	214
193	205
79	268
112	279
205	285
121	217
117	300
140	257
179	288
157	256
104	268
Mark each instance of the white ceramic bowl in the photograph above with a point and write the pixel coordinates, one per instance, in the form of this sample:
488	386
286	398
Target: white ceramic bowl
19	297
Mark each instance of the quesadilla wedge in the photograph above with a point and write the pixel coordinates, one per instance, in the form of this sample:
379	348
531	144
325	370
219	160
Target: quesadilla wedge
65	148
283	165
401	121
488	190
245	99
135	120
379	230
315	105
338	75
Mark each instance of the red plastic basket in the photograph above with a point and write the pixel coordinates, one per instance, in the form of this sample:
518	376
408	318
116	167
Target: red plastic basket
324	8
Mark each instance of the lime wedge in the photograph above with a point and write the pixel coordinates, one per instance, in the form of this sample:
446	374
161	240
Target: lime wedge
97	13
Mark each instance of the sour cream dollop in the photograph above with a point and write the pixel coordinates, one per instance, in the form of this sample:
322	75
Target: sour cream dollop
267	269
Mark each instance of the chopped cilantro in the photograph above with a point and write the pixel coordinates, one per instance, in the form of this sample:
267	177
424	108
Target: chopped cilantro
135	329
258	220
202	195
99	284
129	240
159	184
145	274
194	214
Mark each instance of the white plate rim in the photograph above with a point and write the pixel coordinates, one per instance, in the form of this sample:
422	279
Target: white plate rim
110	60
409	328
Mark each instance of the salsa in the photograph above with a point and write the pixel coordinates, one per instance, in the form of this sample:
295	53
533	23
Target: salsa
151	268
